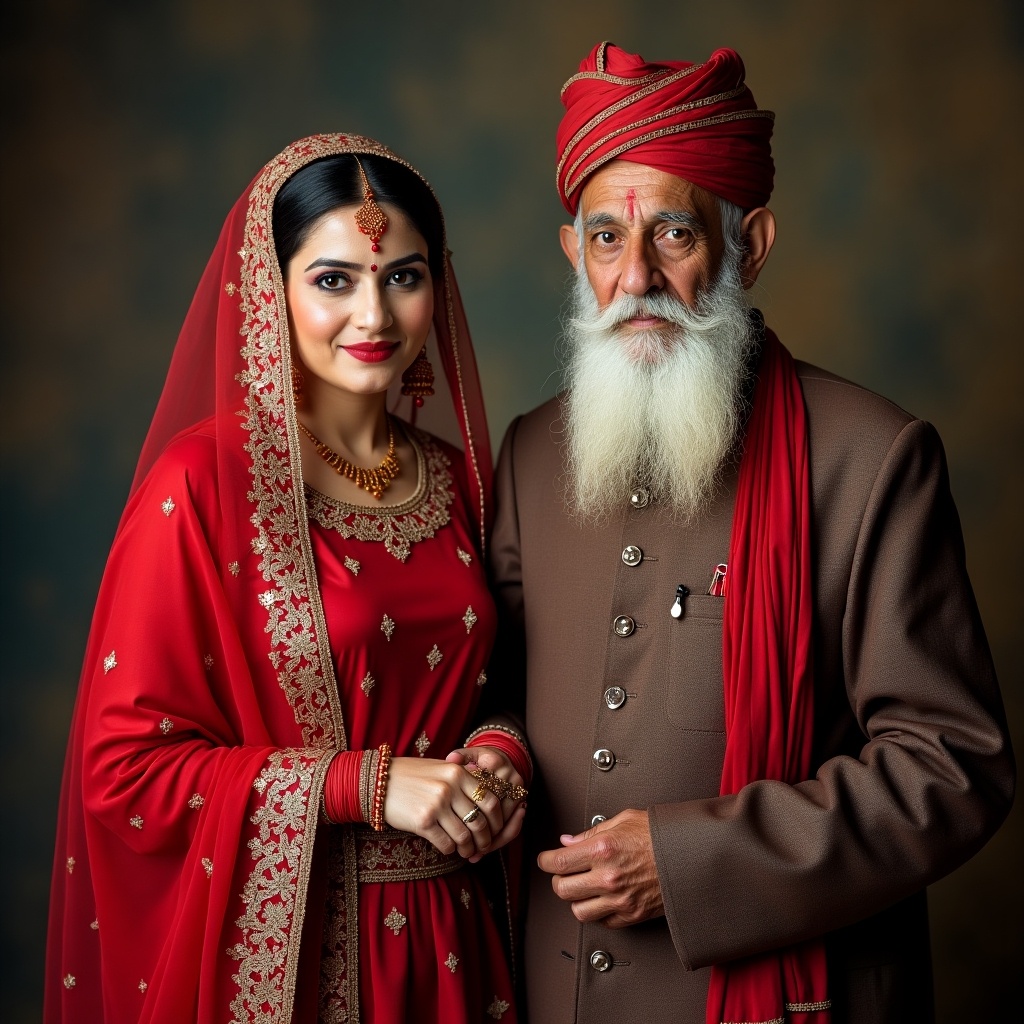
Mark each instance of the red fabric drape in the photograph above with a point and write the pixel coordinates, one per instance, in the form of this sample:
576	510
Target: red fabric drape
208	707
767	663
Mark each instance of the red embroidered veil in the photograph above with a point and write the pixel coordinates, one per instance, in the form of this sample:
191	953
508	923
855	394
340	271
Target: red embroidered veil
206	718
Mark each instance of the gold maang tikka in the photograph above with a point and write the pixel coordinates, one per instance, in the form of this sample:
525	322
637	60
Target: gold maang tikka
370	218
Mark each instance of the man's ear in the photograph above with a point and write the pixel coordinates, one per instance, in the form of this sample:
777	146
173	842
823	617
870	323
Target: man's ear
570	243
758	231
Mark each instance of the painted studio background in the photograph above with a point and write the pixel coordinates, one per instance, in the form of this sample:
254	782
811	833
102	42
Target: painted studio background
128	130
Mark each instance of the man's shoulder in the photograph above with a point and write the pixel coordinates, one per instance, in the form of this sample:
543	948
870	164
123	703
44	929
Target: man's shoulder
541	427
841	413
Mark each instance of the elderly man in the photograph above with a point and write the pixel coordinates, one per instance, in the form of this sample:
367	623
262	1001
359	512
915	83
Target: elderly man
760	700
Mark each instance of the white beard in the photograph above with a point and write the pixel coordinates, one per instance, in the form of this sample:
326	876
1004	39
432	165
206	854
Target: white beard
658	409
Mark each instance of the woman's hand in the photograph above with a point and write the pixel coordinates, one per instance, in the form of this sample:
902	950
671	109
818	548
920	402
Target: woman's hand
511	812
431	798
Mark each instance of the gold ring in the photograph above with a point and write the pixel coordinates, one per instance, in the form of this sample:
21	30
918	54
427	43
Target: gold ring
468	819
479	793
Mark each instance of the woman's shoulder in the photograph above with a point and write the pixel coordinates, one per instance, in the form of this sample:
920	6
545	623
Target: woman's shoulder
189	461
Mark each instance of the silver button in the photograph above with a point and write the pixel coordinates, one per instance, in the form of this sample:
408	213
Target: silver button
639	498
604	759
600	960
623	625
597	819
632	555
615	697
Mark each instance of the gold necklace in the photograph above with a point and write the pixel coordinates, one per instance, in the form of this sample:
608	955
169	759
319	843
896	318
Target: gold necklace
375	481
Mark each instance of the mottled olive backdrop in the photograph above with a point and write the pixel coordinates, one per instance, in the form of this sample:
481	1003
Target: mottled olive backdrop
129	129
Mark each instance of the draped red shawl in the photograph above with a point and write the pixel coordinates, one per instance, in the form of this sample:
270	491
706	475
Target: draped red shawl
767	667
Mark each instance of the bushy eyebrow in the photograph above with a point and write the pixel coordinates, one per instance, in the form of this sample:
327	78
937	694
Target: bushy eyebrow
687	220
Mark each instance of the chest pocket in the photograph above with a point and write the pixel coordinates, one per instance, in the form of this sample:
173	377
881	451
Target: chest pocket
693	694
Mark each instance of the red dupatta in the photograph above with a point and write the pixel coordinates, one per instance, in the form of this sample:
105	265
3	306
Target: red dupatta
767	662
208	710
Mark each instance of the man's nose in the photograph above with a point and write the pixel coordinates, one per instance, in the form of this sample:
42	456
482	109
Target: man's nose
640	271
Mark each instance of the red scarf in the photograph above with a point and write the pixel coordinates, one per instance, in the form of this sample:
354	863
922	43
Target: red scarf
767	664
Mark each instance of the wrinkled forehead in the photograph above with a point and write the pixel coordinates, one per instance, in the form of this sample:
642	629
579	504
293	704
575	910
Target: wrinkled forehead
626	190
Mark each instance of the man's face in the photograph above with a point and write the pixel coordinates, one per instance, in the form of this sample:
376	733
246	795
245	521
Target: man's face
646	231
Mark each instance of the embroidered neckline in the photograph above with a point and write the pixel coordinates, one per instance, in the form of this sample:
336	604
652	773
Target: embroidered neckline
399	526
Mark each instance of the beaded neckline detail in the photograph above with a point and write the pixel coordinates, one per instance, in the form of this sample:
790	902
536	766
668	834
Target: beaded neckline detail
400	526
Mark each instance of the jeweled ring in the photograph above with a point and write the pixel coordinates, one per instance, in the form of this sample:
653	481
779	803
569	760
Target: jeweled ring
468	819
479	793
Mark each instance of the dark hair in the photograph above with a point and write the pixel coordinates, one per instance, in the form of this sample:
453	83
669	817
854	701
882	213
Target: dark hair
334	181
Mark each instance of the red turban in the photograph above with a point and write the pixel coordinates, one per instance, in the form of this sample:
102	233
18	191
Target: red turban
698	121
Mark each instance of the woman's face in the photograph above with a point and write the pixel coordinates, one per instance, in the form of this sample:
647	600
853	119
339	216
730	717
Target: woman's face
357	329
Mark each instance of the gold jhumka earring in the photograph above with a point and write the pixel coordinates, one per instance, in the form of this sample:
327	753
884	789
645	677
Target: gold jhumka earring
370	218
418	379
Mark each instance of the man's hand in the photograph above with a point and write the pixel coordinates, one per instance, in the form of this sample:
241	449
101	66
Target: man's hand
608	872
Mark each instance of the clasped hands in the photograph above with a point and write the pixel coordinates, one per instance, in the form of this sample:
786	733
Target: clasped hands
434	798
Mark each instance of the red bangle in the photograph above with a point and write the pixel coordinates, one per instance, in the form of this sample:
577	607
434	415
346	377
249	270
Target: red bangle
341	787
380	787
510	747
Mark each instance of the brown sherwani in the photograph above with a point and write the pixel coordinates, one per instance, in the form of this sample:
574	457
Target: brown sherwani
914	770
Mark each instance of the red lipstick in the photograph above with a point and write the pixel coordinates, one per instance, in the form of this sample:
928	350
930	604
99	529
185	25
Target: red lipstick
372	351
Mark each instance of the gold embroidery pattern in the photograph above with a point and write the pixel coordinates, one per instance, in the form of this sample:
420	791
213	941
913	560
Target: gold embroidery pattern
464	898
387	626
397	527
166	725
109	662
470	619
230	288
268	925
95	924
395	921
367	684
464	556
167	506
352	565
143	985
452	962
195	801
393	856
208	661
233	568
820	1004
435	656
497	1008
482	678
69	981
70	864
339	966
422	743
135	821
207	866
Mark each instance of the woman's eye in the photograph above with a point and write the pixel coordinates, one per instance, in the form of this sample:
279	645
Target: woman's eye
404	277
331	282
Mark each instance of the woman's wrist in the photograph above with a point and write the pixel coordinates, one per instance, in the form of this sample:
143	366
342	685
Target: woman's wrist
509	741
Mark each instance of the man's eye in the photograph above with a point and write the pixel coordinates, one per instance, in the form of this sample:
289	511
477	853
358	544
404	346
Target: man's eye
606	237
679	234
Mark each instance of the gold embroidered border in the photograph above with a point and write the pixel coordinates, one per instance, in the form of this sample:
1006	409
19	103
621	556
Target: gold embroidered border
275	892
738	115
398	527
603	76
339	949
394	856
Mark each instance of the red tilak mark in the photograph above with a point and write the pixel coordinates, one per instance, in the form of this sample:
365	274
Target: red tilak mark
630	197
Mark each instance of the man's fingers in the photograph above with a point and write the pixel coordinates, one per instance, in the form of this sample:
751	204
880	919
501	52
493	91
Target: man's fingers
567	861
